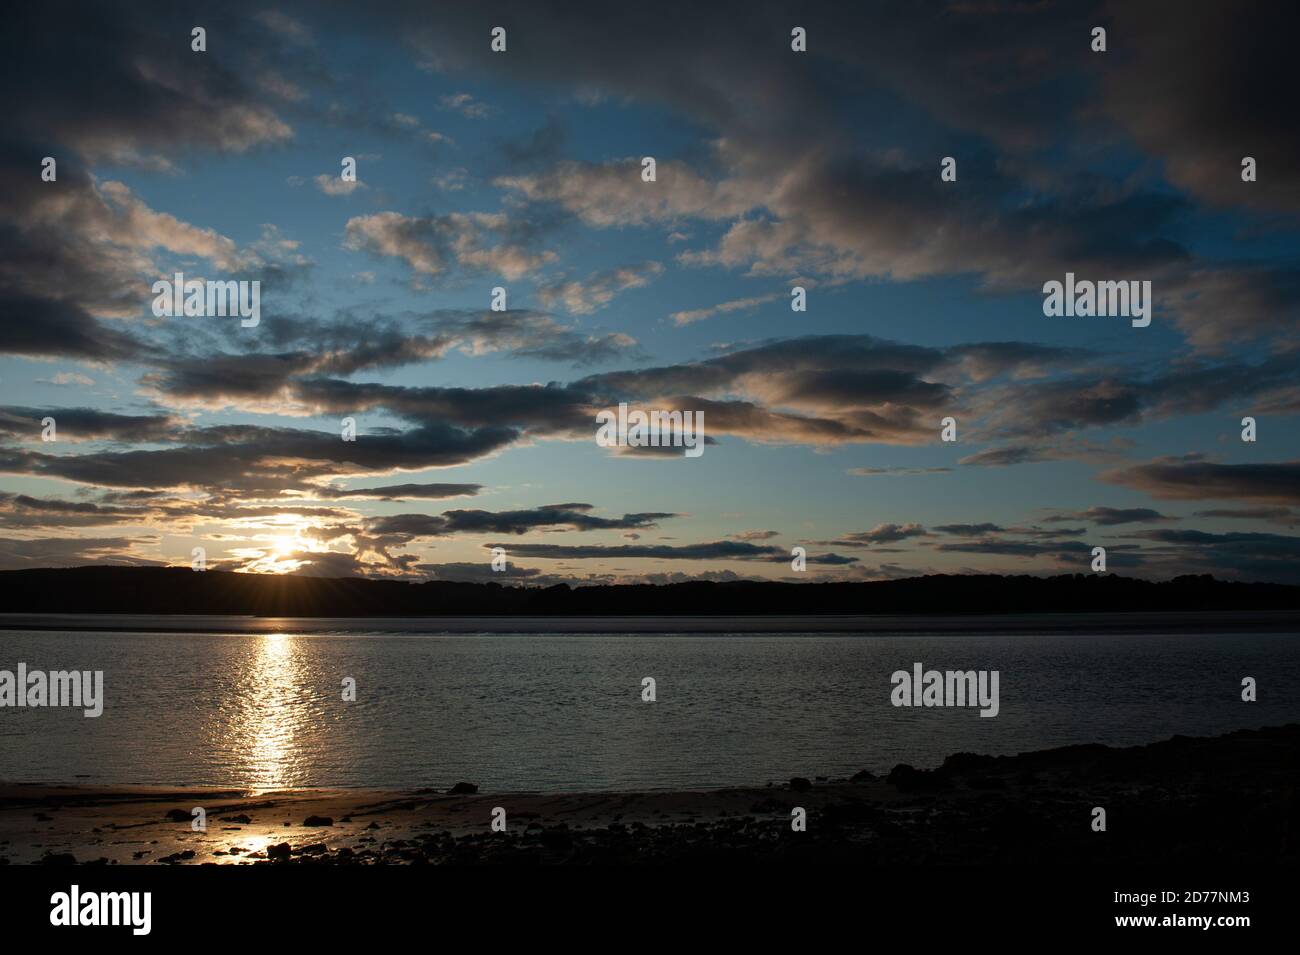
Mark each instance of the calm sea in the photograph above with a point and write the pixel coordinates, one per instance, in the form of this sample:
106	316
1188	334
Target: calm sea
564	711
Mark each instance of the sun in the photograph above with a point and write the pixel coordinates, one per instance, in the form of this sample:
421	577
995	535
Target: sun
282	553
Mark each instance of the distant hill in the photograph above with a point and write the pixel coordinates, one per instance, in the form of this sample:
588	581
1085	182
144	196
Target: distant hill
182	591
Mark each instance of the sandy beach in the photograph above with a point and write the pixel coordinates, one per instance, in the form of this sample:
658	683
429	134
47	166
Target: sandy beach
1231	798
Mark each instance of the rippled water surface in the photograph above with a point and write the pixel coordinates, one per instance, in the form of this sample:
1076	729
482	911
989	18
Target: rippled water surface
558	712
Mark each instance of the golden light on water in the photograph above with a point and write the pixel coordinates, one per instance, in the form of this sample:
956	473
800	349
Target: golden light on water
269	727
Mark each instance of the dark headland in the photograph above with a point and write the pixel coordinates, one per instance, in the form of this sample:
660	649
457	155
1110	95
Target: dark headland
175	590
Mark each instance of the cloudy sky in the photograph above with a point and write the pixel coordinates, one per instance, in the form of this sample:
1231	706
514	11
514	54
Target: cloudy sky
523	169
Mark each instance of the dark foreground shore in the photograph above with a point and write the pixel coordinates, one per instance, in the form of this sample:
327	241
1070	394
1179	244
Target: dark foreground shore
1229	799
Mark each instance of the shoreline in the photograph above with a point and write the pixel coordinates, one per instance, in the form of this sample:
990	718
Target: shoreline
1225	621
1203	800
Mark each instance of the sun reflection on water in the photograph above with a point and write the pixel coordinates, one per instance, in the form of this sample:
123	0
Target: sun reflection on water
269	728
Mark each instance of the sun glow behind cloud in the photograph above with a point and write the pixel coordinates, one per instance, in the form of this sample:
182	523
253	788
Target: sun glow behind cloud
283	552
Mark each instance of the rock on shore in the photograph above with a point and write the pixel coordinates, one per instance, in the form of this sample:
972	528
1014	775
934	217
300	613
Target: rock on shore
1227	799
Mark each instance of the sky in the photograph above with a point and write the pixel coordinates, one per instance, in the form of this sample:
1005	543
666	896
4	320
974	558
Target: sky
522	169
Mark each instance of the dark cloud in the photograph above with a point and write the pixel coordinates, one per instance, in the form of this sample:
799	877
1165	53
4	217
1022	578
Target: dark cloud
800	193
545	409
1006	456
399	492
1050	407
543	144
1061	553
23	510
825	389
1013	548
1250	513
567	517
39	327
76	252
264	460
352	344
1203	89
875	472
714	550
969	530
1100	398
1055	533
253	378
16	554
153	97
1108	516
858	398
880	534
88	424
1191	477
1220	308
1246	555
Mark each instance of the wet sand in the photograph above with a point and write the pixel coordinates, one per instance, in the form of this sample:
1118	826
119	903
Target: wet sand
1229	799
